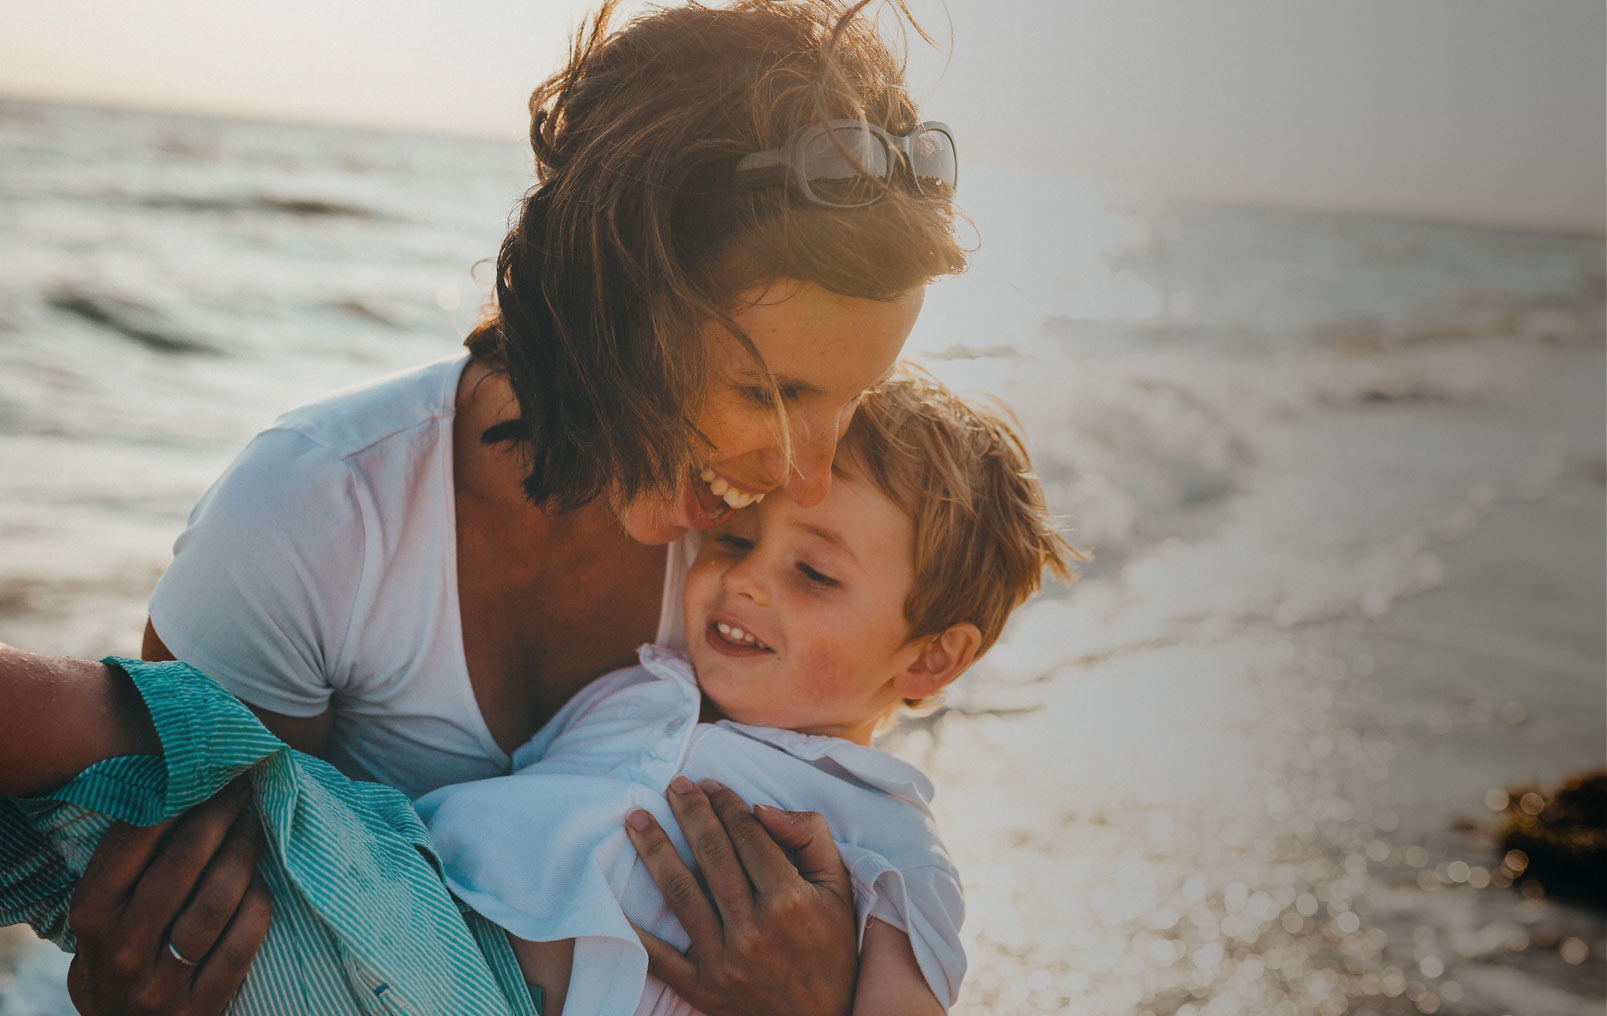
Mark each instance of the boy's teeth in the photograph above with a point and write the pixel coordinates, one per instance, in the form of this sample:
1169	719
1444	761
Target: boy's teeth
734	634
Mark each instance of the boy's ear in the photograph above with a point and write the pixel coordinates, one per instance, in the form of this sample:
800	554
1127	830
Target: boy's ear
942	658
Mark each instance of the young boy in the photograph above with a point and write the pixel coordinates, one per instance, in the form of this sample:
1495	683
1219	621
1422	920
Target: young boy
808	628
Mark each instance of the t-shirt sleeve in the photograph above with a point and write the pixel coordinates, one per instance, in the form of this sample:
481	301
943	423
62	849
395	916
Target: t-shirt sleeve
927	903
260	593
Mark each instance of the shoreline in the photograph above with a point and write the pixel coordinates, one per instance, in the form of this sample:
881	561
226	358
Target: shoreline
1251	812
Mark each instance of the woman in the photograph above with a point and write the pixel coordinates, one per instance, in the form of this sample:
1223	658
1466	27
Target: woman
736	216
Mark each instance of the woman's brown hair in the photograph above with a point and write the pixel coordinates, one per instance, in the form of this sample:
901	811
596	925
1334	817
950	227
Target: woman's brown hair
633	236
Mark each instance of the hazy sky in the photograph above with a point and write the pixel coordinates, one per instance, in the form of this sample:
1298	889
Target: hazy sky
1489	110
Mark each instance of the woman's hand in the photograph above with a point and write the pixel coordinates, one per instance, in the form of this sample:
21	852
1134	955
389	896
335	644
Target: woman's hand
770	935
147	899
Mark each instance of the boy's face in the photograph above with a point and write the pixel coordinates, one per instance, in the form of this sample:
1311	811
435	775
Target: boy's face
795	616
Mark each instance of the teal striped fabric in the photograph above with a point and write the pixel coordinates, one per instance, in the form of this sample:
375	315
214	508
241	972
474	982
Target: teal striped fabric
362	923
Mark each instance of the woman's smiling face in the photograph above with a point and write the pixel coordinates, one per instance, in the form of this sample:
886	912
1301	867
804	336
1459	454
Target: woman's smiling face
824	350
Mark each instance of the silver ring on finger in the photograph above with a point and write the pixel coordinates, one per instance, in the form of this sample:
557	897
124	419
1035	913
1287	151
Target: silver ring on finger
173	950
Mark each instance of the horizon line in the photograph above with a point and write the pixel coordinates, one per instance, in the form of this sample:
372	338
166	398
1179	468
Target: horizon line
1595	228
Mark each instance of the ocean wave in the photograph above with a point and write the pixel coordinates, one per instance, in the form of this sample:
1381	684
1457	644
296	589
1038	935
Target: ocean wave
1550	321
299	207
129	318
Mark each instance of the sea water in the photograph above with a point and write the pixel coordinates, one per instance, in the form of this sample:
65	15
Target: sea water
1340	479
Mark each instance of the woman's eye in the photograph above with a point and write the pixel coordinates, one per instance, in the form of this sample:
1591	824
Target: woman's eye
816	577
763	398
735	542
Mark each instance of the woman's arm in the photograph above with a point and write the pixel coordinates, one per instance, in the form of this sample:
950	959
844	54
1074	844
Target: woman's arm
60	716
135	901
774	933
890	981
303	733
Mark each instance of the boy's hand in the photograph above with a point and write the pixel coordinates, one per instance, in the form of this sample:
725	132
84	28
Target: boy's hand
770	935
187	886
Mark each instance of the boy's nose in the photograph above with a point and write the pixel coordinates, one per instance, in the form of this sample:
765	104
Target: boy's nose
743	580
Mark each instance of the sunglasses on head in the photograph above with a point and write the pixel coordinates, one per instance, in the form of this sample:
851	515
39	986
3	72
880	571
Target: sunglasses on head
848	163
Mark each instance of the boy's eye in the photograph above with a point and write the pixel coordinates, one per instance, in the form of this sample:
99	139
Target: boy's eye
816	577
735	542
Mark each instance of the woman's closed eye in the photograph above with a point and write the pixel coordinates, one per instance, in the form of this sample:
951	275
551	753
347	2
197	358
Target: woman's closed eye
735	544
764	397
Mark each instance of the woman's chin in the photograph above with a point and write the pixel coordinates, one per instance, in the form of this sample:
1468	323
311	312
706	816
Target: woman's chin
651	520
652	529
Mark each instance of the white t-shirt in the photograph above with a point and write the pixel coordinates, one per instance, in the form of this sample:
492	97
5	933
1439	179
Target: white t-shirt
614	747
321	570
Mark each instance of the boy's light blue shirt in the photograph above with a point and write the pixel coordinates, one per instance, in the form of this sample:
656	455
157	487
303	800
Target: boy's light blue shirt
362	923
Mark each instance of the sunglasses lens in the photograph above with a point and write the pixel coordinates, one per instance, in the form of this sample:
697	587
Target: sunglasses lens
844	166
933	160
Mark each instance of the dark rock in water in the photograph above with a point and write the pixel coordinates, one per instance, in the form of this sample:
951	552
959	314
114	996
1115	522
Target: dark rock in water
1562	835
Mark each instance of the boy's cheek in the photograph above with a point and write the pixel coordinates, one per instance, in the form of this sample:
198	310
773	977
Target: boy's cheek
694	607
702	579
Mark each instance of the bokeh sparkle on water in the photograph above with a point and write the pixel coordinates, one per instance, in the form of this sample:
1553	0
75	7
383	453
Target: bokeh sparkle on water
1342	479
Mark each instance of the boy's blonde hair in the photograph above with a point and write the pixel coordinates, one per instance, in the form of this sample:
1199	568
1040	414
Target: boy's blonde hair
983	534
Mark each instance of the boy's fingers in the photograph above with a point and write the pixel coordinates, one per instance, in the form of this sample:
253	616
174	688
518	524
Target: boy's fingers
764	862
682	893
712	850
668	964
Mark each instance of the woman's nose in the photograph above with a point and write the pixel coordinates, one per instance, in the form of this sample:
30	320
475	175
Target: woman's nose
810	481
814	447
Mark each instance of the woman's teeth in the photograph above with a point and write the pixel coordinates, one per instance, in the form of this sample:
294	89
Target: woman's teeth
731	633
725	492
